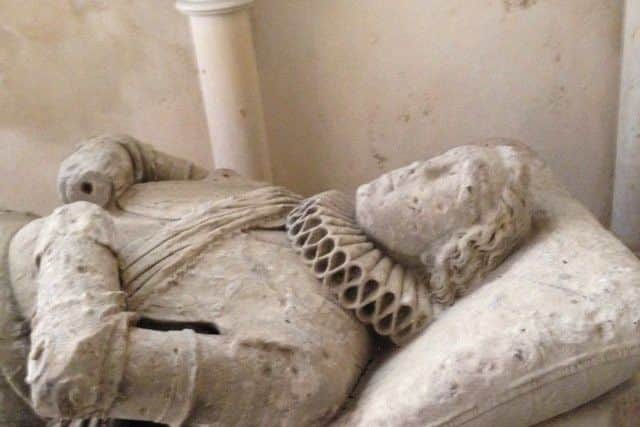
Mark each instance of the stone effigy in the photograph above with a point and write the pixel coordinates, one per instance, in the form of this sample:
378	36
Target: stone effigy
554	326
447	221
197	314
162	293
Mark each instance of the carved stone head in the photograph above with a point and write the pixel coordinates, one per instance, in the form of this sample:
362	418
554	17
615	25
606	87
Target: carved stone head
455	216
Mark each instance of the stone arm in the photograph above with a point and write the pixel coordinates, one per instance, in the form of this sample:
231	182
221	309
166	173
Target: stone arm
88	358
102	168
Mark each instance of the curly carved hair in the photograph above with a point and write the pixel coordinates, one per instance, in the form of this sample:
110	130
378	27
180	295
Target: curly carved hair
473	252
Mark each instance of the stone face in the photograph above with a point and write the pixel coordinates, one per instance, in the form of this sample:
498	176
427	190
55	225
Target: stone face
552	328
456	216
411	210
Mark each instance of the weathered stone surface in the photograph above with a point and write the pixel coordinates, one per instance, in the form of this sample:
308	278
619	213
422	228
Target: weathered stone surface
412	210
80	327
618	408
284	342
223	324
455	216
15	412
379	290
103	168
553	327
183	303
437	227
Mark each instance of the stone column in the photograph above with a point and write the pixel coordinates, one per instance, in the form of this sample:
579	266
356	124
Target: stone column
625	219
225	52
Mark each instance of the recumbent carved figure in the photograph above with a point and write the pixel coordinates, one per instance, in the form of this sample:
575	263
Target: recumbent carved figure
162	293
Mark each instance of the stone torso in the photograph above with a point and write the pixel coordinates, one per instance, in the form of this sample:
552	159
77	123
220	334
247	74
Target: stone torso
248	285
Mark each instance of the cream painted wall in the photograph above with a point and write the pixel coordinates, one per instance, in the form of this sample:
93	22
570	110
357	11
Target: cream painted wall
352	87
74	68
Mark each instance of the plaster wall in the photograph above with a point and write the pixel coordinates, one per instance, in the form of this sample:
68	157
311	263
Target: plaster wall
75	68
351	88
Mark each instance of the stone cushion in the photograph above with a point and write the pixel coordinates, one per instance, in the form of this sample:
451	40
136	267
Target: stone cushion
556	325
618	408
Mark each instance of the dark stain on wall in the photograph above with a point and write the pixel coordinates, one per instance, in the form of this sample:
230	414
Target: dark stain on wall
510	5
